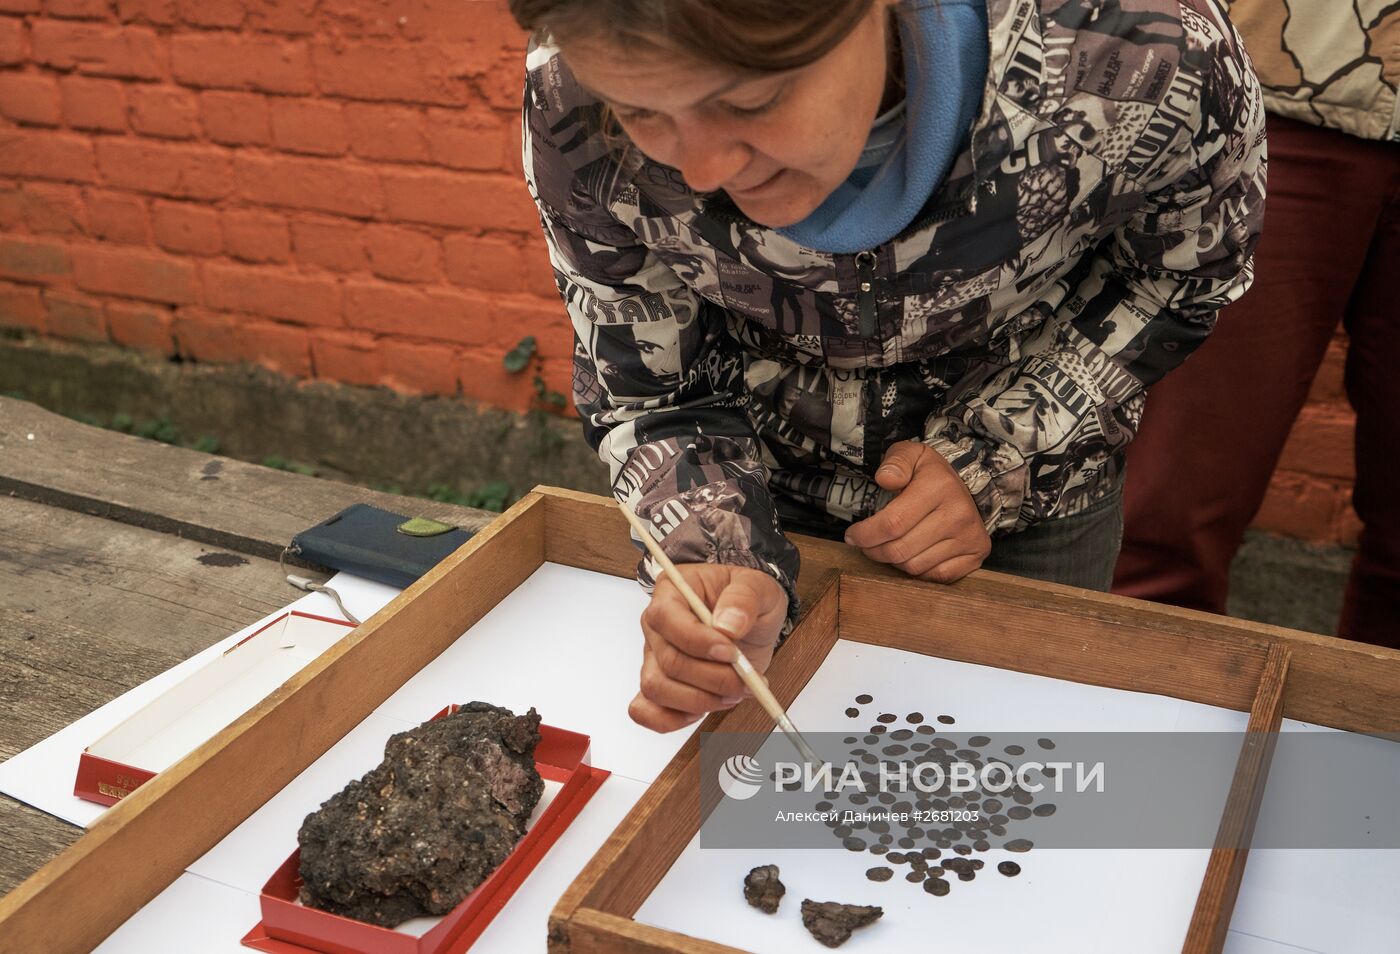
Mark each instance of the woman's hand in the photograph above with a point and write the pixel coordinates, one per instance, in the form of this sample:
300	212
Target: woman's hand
932	528
687	666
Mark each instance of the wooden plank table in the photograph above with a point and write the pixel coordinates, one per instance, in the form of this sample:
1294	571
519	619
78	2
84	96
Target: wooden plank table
120	558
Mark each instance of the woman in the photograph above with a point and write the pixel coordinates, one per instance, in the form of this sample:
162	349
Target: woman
914	263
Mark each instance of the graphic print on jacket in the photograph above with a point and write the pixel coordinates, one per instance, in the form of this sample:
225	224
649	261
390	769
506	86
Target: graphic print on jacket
1106	207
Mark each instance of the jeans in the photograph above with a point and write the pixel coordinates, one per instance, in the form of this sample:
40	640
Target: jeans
1078	550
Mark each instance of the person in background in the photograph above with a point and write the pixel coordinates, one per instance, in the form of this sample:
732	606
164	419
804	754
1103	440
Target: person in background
1213	431
913	264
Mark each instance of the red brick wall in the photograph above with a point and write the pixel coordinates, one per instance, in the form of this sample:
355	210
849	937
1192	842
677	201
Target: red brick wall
334	194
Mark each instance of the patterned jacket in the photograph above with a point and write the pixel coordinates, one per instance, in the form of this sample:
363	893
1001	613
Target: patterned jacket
1324	61
1106	207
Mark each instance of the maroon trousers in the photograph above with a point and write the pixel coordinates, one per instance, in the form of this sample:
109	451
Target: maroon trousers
1213	429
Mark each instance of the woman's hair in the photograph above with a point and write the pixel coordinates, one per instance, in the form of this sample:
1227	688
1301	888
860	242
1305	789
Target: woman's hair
760	35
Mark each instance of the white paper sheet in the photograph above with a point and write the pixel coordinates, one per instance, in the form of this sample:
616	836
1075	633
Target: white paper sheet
1333	901
566	641
192	915
43	774
1079	900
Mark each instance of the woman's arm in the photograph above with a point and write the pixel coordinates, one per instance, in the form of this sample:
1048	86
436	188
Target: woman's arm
1134	309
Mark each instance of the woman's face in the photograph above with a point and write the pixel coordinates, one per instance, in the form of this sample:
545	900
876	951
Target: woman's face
777	143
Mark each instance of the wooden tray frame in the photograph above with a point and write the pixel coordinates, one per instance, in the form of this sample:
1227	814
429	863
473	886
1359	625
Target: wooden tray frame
148	839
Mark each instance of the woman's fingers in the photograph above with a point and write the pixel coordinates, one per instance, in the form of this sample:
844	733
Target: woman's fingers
649	715
681	696
713	677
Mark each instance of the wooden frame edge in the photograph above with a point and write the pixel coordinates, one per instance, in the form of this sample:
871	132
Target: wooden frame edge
1210	921
91	888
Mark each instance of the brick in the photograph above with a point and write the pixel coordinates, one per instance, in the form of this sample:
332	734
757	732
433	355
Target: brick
13	48
419	368
482	377
488	26
346	356
414	312
157	12
140	326
309	125
19	6
233	61
1299	506
1348	528
55	209
33	260
79	9
213	13
236	119
116	217
320	185
387	133
127	52
40	154
171	169
378	71
488	265
273	293
202	335
257	236
286	16
74	317
187	227
460	139
539	270
164	111
11	208
30	98
334	244
1321	443
98	104
285	349
21	307
459	200
133	273
404	255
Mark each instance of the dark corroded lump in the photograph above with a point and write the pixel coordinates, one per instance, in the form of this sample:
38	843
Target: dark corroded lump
832	923
763	890
418	833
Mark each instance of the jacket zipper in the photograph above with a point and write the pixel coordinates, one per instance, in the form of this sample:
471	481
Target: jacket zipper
865	275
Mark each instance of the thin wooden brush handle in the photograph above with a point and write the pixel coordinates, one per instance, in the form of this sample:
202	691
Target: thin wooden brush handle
751	676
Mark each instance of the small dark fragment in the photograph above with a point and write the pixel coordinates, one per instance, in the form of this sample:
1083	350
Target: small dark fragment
881	874
832	923
1019	844
853	712
419	832
1044	811
865	698
1009	868
914	718
1045	743
947	719
977	741
763	890
915	876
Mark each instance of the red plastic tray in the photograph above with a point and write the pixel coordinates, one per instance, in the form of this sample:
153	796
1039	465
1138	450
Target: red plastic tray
288	927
